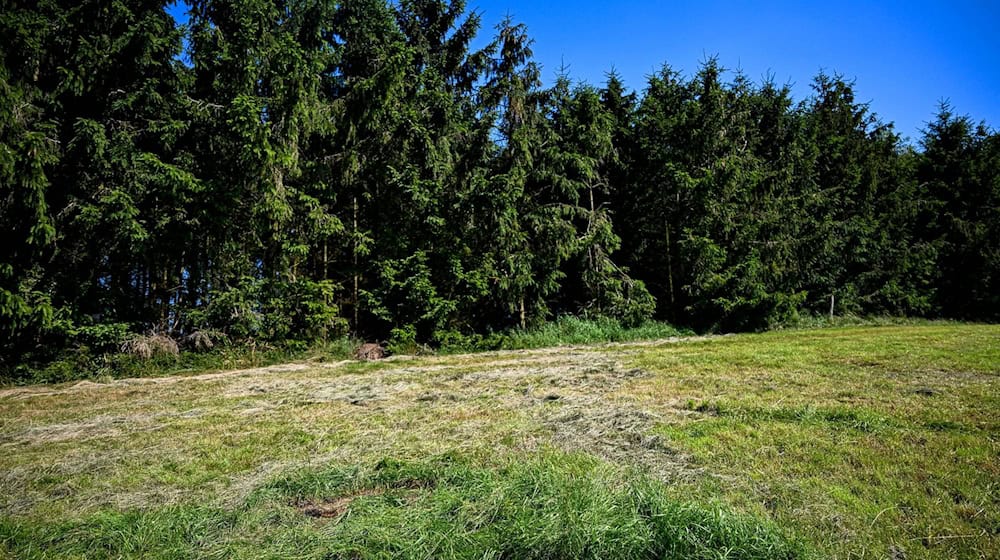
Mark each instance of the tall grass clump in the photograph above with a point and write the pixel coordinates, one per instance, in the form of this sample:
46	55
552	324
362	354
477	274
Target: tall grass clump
550	506
573	330
564	330
146	347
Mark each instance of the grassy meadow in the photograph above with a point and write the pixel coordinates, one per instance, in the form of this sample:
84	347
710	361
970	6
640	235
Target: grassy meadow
851	442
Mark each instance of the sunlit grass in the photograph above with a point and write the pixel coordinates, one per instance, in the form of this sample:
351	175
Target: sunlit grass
866	441
856	442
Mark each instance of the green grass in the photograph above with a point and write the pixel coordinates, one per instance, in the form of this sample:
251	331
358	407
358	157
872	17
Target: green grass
550	506
566	330
869	441
570	330
853	442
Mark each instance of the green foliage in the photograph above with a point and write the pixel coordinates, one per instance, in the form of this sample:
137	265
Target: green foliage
408	298
961	213
100	338
290	172
563	330
273	311
82	363
27	152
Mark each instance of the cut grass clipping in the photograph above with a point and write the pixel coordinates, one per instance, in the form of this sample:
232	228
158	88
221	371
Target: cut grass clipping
551	505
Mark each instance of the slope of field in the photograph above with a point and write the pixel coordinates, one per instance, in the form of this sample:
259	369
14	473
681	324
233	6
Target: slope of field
847	443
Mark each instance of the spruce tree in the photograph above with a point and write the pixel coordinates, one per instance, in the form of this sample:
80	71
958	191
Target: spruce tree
28	150
961	197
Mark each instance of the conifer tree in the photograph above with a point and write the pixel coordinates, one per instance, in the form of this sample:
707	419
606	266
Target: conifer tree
28	149
305	168
961	213
581	163
513	99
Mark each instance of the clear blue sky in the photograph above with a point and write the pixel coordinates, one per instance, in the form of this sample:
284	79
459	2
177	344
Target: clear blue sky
905	56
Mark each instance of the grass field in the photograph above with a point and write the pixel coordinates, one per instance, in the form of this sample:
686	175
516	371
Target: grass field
860	442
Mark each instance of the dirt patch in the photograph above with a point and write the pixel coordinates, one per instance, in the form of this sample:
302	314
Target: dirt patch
327	509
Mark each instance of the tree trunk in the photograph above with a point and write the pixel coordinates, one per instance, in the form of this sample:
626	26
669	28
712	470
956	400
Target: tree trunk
356	298
670	275
591	257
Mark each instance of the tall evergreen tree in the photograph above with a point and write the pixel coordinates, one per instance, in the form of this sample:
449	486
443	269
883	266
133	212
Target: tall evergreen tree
429	275
961	215
259	68
512	97
309	167
29	148
581	162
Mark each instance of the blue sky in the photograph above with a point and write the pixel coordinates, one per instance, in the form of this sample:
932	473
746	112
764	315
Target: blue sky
905	56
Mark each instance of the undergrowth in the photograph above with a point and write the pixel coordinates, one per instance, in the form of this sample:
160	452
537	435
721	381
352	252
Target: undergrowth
83	364
562	331
86	363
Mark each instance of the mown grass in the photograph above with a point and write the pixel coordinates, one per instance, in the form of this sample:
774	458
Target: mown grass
82	364
844	442
869	442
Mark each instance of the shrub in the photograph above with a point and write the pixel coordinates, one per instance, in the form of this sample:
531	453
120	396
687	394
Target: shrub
273	310
102	338
148	346
204	340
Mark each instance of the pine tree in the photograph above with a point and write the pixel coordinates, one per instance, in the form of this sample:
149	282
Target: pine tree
654	197
513	99
961	197
259	71
28	150
430	277
310	167
581	163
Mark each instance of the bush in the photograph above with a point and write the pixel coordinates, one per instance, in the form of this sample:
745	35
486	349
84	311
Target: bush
203	341
107	337
274	311
564	330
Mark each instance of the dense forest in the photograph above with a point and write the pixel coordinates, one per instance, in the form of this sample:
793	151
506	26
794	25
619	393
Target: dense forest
283	170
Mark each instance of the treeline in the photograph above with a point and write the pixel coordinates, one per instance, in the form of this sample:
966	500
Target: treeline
300	169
